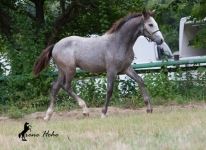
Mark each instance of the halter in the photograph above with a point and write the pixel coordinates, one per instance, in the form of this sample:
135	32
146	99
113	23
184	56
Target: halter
149	39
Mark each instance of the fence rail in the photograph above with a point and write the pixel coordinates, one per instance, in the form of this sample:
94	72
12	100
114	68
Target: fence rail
172	66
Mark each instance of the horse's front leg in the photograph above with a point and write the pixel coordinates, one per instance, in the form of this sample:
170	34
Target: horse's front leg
132	74
111	75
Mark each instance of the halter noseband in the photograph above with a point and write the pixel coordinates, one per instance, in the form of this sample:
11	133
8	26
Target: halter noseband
149	39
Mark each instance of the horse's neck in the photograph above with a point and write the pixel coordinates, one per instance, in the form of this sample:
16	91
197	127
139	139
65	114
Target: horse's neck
130	31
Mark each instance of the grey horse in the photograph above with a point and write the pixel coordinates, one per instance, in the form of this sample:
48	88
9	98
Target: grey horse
111	53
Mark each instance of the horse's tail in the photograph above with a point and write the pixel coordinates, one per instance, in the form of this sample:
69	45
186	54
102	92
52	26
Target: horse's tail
19	135
43	60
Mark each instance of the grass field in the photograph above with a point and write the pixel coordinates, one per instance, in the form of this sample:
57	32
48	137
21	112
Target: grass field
166	129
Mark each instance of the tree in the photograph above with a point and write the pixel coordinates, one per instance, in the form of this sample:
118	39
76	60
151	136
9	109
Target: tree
199	14
169	15
27	26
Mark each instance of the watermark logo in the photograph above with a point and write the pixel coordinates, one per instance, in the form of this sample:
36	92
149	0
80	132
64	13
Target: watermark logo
27	127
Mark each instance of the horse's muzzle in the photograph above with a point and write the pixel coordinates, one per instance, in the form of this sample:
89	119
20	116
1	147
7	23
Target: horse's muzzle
159	42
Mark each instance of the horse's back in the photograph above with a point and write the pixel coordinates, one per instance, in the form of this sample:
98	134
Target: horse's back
85	53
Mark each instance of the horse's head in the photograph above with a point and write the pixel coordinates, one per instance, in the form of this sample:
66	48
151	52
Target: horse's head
150	28
26	125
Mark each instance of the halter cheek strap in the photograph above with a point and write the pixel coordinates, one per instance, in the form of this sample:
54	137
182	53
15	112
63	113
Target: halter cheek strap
149	38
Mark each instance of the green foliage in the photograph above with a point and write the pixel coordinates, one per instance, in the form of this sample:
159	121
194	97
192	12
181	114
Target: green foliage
25	91
23	51
179	86
110	11
199	41
198	14
158	85
199	10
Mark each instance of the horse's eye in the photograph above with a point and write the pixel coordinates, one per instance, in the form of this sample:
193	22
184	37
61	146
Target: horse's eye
151	25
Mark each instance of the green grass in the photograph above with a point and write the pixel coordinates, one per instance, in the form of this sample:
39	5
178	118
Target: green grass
167	129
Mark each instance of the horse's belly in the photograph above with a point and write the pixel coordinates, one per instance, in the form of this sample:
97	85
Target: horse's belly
92	67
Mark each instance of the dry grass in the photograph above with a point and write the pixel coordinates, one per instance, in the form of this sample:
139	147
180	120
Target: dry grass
164	129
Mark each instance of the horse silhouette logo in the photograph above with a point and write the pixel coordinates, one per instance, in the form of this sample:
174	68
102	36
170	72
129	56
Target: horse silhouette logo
26	128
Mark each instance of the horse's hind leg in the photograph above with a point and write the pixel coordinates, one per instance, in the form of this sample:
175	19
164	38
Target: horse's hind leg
81	102
54	90
132	74
67	88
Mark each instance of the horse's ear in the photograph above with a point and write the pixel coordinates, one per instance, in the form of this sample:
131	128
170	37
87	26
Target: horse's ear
144	12
152	13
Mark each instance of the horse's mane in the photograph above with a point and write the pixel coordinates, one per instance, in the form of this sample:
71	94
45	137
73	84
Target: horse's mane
118	24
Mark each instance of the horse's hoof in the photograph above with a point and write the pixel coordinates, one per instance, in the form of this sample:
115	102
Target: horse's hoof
149	110
103	116
46	119
86	114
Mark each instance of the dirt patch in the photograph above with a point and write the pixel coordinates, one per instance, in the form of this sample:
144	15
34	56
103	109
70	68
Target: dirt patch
96	112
